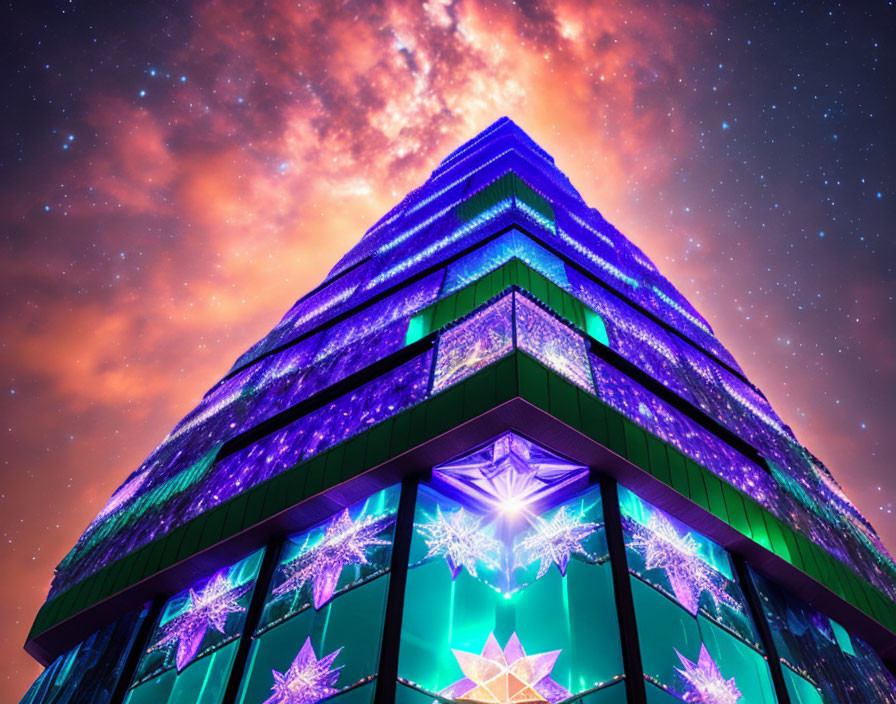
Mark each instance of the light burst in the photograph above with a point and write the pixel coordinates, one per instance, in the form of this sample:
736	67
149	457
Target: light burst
345	542
208	608
507	676
554	541
459	537
706	683
664	548
308	680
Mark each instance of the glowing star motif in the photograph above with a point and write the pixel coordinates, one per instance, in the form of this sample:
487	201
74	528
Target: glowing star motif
689	575
345	542
554	541
308	680
460	539
506	677
510	473
208	608
707	686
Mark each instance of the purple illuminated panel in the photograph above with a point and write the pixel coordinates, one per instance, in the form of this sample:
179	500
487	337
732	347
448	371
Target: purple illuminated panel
492	255
509	474
667	423
328	426
551	342
466	348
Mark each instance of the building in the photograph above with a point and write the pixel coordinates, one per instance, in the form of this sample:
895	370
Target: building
494	457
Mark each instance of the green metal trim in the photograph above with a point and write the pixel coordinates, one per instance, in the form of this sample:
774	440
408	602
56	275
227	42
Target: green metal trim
514	272
507	187
516	375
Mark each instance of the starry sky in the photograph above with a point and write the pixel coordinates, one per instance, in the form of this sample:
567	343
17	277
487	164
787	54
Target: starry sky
174	177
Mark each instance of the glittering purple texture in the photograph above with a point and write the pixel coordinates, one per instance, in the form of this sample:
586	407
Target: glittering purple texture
308	680
705	683
489	257
662	420
510	472
475	343
335	422
664	548
209	608
344	543
552	342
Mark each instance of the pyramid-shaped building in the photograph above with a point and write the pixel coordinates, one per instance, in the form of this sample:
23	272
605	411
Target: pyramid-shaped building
494	457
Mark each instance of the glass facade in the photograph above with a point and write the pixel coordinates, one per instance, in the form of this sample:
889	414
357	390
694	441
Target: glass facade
509	597
90	671
323	615
697	636
511	589
192	647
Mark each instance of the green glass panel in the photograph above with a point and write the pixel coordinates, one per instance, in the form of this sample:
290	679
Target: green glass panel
495	594
351	624
594	326
418	328
201	682
801	690
672	641
843	639
684	565
338	554
326	603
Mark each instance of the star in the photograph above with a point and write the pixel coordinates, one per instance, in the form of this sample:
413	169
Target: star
663	548
308	680
460	538
554	541
506	677
208	608
510	473
707	685
345	542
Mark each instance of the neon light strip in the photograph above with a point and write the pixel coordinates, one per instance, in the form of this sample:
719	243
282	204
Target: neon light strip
672	304
591	229
461	232
596	259
451	185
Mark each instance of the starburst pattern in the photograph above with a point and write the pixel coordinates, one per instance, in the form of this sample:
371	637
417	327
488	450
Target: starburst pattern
459	537
345	542
663	547
208	608
554	541
507	676
510	471
308	680
706	683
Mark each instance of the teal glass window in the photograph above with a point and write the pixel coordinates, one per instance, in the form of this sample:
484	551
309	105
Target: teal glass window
322	623
823	662
193	645
697	638
506	565
93	666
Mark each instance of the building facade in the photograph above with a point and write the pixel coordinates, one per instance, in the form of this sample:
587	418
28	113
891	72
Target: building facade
494	457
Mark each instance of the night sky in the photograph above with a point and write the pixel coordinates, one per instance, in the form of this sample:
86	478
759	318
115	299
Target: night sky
173	178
